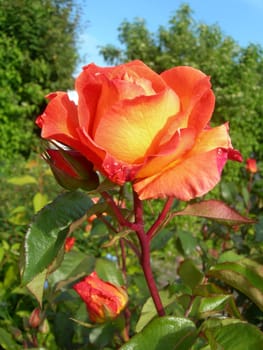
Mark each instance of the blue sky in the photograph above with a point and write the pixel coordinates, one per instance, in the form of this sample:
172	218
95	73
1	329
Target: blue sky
241	19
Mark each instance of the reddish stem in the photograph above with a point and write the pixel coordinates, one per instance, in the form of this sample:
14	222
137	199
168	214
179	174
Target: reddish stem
144	239
120	218
156	225
145	255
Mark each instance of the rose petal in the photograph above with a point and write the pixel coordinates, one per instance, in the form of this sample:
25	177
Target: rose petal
115	91
191	178
60	120
194	90
171	152
192	175
136	69
129	130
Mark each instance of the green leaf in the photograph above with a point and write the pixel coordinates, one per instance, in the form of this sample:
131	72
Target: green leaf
169	333
47	233
190	274
214	209
108	271
36	286
18	216
204	307
6	340
188	242
39	201
160	240
234	336
22	180
74	265
229	255
149	310
245	275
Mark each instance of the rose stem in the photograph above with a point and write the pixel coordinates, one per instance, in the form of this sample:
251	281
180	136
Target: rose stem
145	255
145	240
120	218
152	230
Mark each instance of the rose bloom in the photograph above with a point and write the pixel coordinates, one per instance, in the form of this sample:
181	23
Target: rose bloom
104	300
251	165
136	125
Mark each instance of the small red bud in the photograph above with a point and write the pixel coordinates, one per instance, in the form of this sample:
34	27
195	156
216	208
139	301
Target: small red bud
251	165
35	319
69	243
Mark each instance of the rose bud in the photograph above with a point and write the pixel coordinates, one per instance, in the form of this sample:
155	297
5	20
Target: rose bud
251	165
70	168
69	243
104	300
35	319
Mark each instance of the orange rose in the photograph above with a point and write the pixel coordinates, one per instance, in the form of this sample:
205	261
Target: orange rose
104	300
135	125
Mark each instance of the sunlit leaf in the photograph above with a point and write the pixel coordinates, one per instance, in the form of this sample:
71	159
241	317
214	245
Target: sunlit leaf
149	310
214	209
36	286
39	201
245	275
169	333
47	233
204	307
22	180
231	334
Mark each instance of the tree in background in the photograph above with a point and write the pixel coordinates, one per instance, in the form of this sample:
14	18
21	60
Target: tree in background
37	55
236	72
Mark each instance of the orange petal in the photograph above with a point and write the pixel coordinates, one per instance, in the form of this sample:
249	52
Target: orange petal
143	71
135	69
88	87
114	91
194	90
191	178
188	176
169	153
210	139
130	128
60	120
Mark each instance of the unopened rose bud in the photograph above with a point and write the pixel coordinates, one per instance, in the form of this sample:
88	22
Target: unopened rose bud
70	168
69	243
251	165
104	300
35	319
